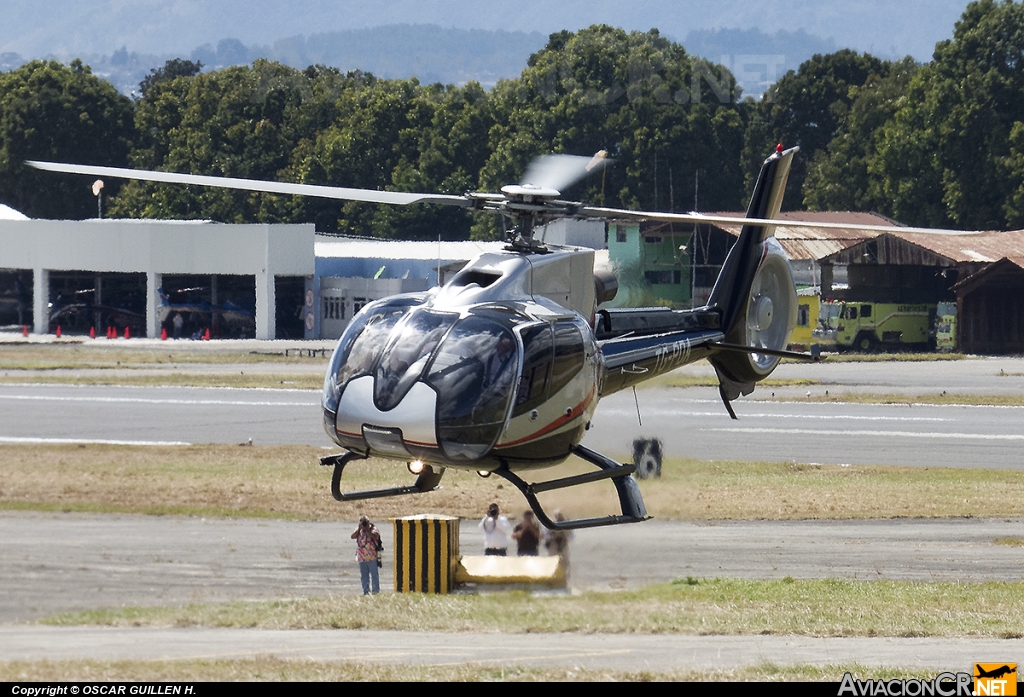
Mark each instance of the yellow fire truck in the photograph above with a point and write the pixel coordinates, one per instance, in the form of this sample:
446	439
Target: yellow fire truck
864	326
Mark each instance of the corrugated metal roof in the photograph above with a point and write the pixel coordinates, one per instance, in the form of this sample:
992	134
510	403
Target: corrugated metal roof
935	250
816	243
985	247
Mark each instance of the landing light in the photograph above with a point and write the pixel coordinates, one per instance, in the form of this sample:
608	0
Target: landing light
416	467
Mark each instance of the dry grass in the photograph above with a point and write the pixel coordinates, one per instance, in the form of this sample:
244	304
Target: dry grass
1013	400
695	490
680	378
217	480
816	607
896	356
274	669
287	482
174	364
21	356
213	379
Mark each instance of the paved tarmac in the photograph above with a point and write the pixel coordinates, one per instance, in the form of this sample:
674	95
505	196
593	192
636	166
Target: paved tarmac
632	652
55	562
691	422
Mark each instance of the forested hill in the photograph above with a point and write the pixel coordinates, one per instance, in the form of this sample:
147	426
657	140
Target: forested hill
939	143
454	41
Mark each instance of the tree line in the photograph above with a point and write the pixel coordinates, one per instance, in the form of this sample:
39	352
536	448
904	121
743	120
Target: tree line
939	144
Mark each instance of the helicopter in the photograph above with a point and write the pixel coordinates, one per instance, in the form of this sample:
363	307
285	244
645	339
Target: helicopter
500	370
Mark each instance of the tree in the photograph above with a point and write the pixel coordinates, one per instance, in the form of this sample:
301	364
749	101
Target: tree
662	114
951	155
805	108
49	111
838	178
237	122
174	68
399	135
316	126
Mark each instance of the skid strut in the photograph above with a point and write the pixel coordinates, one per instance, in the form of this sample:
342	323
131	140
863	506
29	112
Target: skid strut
426	481
630	501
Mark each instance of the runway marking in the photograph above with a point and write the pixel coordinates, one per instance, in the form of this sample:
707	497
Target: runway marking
902	434
12	440
141	400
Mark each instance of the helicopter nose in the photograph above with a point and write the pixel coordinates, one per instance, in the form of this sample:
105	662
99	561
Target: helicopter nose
409	424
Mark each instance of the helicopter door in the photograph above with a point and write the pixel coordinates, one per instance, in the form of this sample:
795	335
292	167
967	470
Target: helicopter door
538	347
569	361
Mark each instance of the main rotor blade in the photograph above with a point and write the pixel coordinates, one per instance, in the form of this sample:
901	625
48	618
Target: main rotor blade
620	214
335	192
560	171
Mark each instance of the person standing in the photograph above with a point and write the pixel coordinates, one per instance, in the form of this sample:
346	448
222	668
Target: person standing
556	542
496	531
368	546
178	323
527	536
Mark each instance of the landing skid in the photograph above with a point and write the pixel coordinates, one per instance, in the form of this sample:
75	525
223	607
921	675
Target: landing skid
426	481
632	504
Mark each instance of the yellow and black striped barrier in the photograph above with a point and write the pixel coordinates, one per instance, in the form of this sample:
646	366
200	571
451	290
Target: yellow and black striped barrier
426	553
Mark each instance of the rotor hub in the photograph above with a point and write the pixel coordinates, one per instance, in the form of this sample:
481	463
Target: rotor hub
764	310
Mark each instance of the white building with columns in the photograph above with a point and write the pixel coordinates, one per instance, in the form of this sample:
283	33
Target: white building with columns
157	248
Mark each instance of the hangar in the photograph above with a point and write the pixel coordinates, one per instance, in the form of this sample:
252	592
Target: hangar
292	282
981	271
136	258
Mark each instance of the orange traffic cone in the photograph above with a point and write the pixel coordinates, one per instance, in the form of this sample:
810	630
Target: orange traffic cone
108	332
163	334
127	334
92	332
24	330
206	336
58	331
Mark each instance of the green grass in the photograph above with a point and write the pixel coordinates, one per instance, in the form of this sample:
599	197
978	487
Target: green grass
825	608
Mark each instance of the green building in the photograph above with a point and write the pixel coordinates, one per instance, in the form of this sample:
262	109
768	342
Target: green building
652	263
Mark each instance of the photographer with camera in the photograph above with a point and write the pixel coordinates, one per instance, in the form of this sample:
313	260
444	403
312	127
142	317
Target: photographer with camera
496	531
368	548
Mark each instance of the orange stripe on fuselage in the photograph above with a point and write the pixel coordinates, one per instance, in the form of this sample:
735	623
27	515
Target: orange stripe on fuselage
561	421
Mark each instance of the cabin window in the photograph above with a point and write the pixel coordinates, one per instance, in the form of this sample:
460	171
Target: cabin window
407	353
569	355
473	374
538	348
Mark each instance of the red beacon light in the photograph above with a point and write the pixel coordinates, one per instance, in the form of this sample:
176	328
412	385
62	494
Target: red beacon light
778	148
